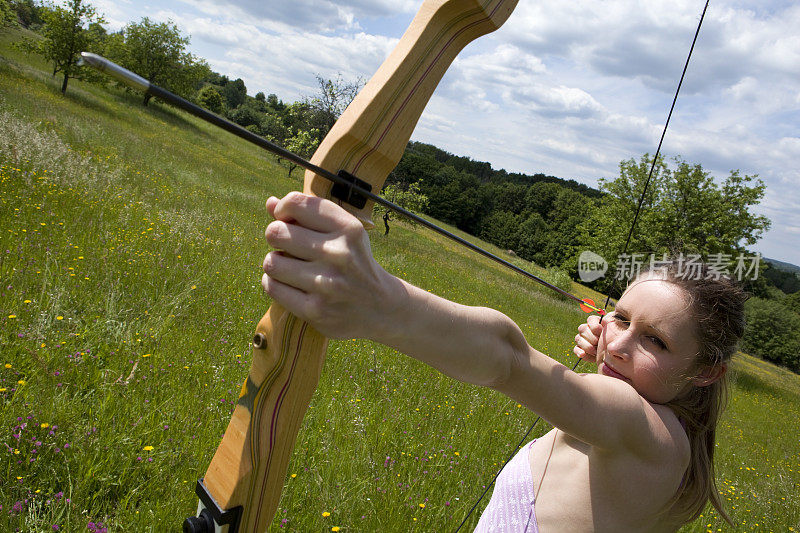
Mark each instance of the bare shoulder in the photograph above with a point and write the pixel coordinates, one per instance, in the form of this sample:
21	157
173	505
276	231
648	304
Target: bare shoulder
672	443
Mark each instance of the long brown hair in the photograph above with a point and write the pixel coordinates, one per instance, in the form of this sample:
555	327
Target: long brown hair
717	305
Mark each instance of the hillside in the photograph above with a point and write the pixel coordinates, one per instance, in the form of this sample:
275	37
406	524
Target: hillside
130	259
786	267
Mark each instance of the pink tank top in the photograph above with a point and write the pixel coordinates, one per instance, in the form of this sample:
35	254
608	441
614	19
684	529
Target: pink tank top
511	508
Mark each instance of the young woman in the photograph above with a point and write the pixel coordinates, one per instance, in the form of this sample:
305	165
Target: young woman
632	446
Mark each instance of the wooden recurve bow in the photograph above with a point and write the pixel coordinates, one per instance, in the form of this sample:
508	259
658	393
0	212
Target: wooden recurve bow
242	486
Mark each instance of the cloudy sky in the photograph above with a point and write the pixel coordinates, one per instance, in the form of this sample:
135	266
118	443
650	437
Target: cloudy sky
565	88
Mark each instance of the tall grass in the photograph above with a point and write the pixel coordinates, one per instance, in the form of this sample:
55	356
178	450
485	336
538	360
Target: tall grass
130	246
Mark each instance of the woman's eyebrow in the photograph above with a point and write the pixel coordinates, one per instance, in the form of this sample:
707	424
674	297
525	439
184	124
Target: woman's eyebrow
659	331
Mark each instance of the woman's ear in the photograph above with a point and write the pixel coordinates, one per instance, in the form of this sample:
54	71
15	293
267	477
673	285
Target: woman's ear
709	374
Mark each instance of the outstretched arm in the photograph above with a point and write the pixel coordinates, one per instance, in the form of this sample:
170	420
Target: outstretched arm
324	272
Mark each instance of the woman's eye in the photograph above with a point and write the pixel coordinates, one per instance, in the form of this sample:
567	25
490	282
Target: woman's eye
621	321
658	342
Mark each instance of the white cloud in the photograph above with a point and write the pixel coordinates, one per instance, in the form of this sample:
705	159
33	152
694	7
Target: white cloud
326	16
564	88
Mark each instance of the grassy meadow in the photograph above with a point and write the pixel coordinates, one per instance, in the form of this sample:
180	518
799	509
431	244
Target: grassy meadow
131	240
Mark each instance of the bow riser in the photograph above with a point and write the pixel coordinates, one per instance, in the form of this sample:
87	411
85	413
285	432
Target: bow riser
250	464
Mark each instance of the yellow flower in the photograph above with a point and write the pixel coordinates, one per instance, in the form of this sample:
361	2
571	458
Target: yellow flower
148	448
194	287
335	528
27	301
325	514
8	365
21	382
2	389
59	317
294	476
44	425
12	316
422	506
147	355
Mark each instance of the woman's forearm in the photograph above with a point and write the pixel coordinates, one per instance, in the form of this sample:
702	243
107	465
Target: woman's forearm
471	344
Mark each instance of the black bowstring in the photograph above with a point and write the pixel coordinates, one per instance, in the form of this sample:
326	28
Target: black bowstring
625	249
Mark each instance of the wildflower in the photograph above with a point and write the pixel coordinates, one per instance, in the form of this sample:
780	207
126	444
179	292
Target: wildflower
12	316
325	514
148	448
44	425
8	365
335	528
59	317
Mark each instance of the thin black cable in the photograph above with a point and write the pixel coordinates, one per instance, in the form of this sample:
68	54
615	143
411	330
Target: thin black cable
660	142
625	249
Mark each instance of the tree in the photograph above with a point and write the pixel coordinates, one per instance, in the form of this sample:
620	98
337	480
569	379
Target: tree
235	93
303	143
247	114
28	13
157	52
772	333
210	98
65	37
684	208
332	98
273	128
410	198
501	228
792	301
8	17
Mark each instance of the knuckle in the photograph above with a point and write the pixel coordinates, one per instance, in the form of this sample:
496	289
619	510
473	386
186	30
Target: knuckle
295	197
322	286
274	231
338	254
352	229
269	263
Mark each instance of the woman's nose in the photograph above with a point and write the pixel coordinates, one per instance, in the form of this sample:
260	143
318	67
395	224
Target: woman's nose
621	345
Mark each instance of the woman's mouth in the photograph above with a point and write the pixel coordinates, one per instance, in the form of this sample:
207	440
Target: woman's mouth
610	372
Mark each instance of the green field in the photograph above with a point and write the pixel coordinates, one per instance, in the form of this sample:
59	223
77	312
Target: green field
131	240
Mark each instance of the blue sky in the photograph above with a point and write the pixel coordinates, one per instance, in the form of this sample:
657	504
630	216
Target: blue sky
565	88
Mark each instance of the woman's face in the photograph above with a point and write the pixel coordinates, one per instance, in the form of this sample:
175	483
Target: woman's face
649	341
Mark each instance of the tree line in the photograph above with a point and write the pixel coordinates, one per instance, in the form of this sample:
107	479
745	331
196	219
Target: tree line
538	217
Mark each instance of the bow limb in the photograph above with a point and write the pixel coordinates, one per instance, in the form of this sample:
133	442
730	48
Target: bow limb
246	475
